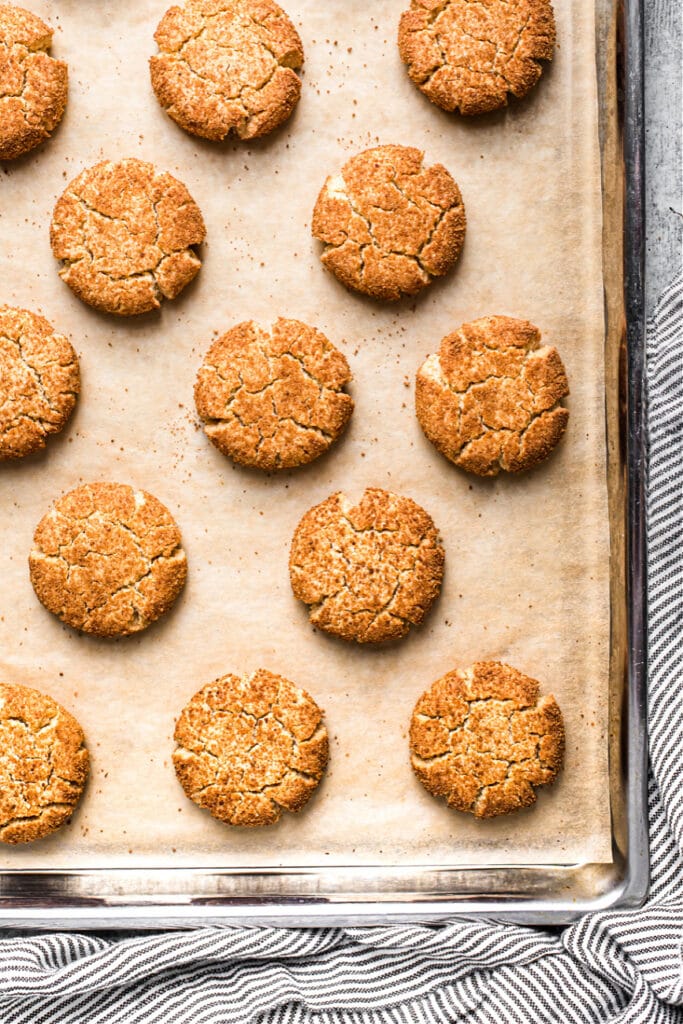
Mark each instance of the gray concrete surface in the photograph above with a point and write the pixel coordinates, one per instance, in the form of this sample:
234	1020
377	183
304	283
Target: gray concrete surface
663	143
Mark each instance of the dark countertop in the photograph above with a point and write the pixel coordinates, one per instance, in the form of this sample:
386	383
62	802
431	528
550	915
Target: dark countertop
663	143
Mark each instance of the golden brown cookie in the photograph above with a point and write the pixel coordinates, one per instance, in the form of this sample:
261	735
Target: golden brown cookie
273	397
107	559
483	739
33	85
469	56
490	399
227	66
369	571
389	224
39	382
125	236
43	764
249	748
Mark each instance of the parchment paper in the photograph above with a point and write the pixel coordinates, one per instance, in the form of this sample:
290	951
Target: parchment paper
526	558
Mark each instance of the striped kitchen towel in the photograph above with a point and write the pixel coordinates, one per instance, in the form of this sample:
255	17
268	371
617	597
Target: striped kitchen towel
609	967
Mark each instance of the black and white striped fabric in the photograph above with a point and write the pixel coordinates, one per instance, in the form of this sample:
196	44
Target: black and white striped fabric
610	967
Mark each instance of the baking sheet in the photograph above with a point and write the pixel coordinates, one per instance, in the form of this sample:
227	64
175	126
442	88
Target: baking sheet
527	559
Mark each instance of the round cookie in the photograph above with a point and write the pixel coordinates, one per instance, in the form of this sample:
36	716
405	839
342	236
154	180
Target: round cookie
33	85
107	559
389	224
273	398
368	571
490	399
250	747
483	739
227	66
469	56
43	764
125	235
39	382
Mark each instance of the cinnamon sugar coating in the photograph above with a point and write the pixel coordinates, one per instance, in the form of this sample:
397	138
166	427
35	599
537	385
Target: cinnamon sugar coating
107	559
39	382
273	397
250	747
470	55
368	571
491	399
33	85
483	739
125	236
43	764
227	66
389	224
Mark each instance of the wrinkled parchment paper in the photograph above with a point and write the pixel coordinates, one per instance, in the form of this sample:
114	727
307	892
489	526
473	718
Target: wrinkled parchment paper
526	558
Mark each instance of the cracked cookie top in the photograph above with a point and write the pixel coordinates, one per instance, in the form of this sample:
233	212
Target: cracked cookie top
124	235
388	223
43	764
483	739
33	85
469	56
369	571
250	747
273	397
39	382
490	399
107	559
227	66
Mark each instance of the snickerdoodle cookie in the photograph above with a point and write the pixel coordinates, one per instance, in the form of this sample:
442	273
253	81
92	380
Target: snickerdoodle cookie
107	559
39	381
227	66
389	224
33	85
273	397
125	236
43	764
469	56
490	399
369	571
250	747
483	739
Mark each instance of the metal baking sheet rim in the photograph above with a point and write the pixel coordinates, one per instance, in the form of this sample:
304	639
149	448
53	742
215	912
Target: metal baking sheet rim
545	894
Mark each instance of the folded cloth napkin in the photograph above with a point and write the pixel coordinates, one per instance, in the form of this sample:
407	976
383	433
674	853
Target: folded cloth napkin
609	967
